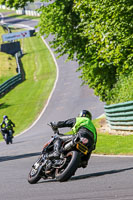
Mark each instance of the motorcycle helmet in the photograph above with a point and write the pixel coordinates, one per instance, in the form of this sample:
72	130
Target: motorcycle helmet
5	117
85	113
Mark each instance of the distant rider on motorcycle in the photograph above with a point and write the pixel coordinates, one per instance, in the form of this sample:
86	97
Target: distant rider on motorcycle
82	128
7	126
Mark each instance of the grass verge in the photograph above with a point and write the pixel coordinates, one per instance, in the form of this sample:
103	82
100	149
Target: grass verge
5	10
7	63
24	103
113	144
1	33
7	67
12	13
24	16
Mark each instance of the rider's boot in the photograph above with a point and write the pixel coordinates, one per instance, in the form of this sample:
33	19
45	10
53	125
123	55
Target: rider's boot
56	153
84	162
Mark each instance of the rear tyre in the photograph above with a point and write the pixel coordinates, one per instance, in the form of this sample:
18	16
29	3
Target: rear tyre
69	168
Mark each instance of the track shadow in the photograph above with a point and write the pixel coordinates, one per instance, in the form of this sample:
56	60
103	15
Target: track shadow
7	158
85	176
4	105
18	142
48	181
13	143
14	20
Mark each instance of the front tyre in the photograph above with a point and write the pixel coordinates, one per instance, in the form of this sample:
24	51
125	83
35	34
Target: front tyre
10	139
7	139
34	175
69	168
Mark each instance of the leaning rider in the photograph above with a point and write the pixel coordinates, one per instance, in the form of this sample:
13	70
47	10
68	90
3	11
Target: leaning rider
82	127
7	126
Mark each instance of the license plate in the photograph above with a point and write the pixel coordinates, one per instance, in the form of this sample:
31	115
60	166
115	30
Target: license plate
82	148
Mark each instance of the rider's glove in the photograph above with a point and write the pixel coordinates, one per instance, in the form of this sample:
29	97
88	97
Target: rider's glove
54	125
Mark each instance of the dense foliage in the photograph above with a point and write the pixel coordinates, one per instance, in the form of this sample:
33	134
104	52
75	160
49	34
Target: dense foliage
15	3
97	33
123	90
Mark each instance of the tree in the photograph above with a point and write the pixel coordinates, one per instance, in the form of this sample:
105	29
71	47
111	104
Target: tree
97	33
15	3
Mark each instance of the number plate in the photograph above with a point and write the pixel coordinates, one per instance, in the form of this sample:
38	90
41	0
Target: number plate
82	148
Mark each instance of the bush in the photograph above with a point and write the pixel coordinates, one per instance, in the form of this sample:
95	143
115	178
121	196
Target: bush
97	33
123	90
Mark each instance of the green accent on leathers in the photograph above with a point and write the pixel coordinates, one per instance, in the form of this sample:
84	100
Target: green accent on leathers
87	123
7	124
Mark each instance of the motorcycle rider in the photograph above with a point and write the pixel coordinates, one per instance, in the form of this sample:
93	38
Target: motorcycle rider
82	127
7	126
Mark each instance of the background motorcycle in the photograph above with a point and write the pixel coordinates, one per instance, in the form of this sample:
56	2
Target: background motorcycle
7	136
74	152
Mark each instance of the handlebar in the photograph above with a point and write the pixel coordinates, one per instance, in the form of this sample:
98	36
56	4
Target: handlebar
56	131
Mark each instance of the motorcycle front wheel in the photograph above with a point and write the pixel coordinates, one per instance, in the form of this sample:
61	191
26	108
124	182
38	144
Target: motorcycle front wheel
10	140
69	168
6	138
34	175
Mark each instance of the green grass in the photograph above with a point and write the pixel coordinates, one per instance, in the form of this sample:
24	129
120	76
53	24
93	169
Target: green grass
125	85
113	144
7	67
14	15
1	33
5	78
24	16
24	103
5	10
7	63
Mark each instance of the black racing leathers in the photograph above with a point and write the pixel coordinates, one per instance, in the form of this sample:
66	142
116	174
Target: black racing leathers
82	132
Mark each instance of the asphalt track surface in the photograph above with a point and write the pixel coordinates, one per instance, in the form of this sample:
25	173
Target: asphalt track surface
105	178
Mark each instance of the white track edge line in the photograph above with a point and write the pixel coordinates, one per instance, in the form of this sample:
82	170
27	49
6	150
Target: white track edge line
57	77
46	105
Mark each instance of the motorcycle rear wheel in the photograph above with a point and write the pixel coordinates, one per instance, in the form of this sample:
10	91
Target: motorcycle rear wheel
70	167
